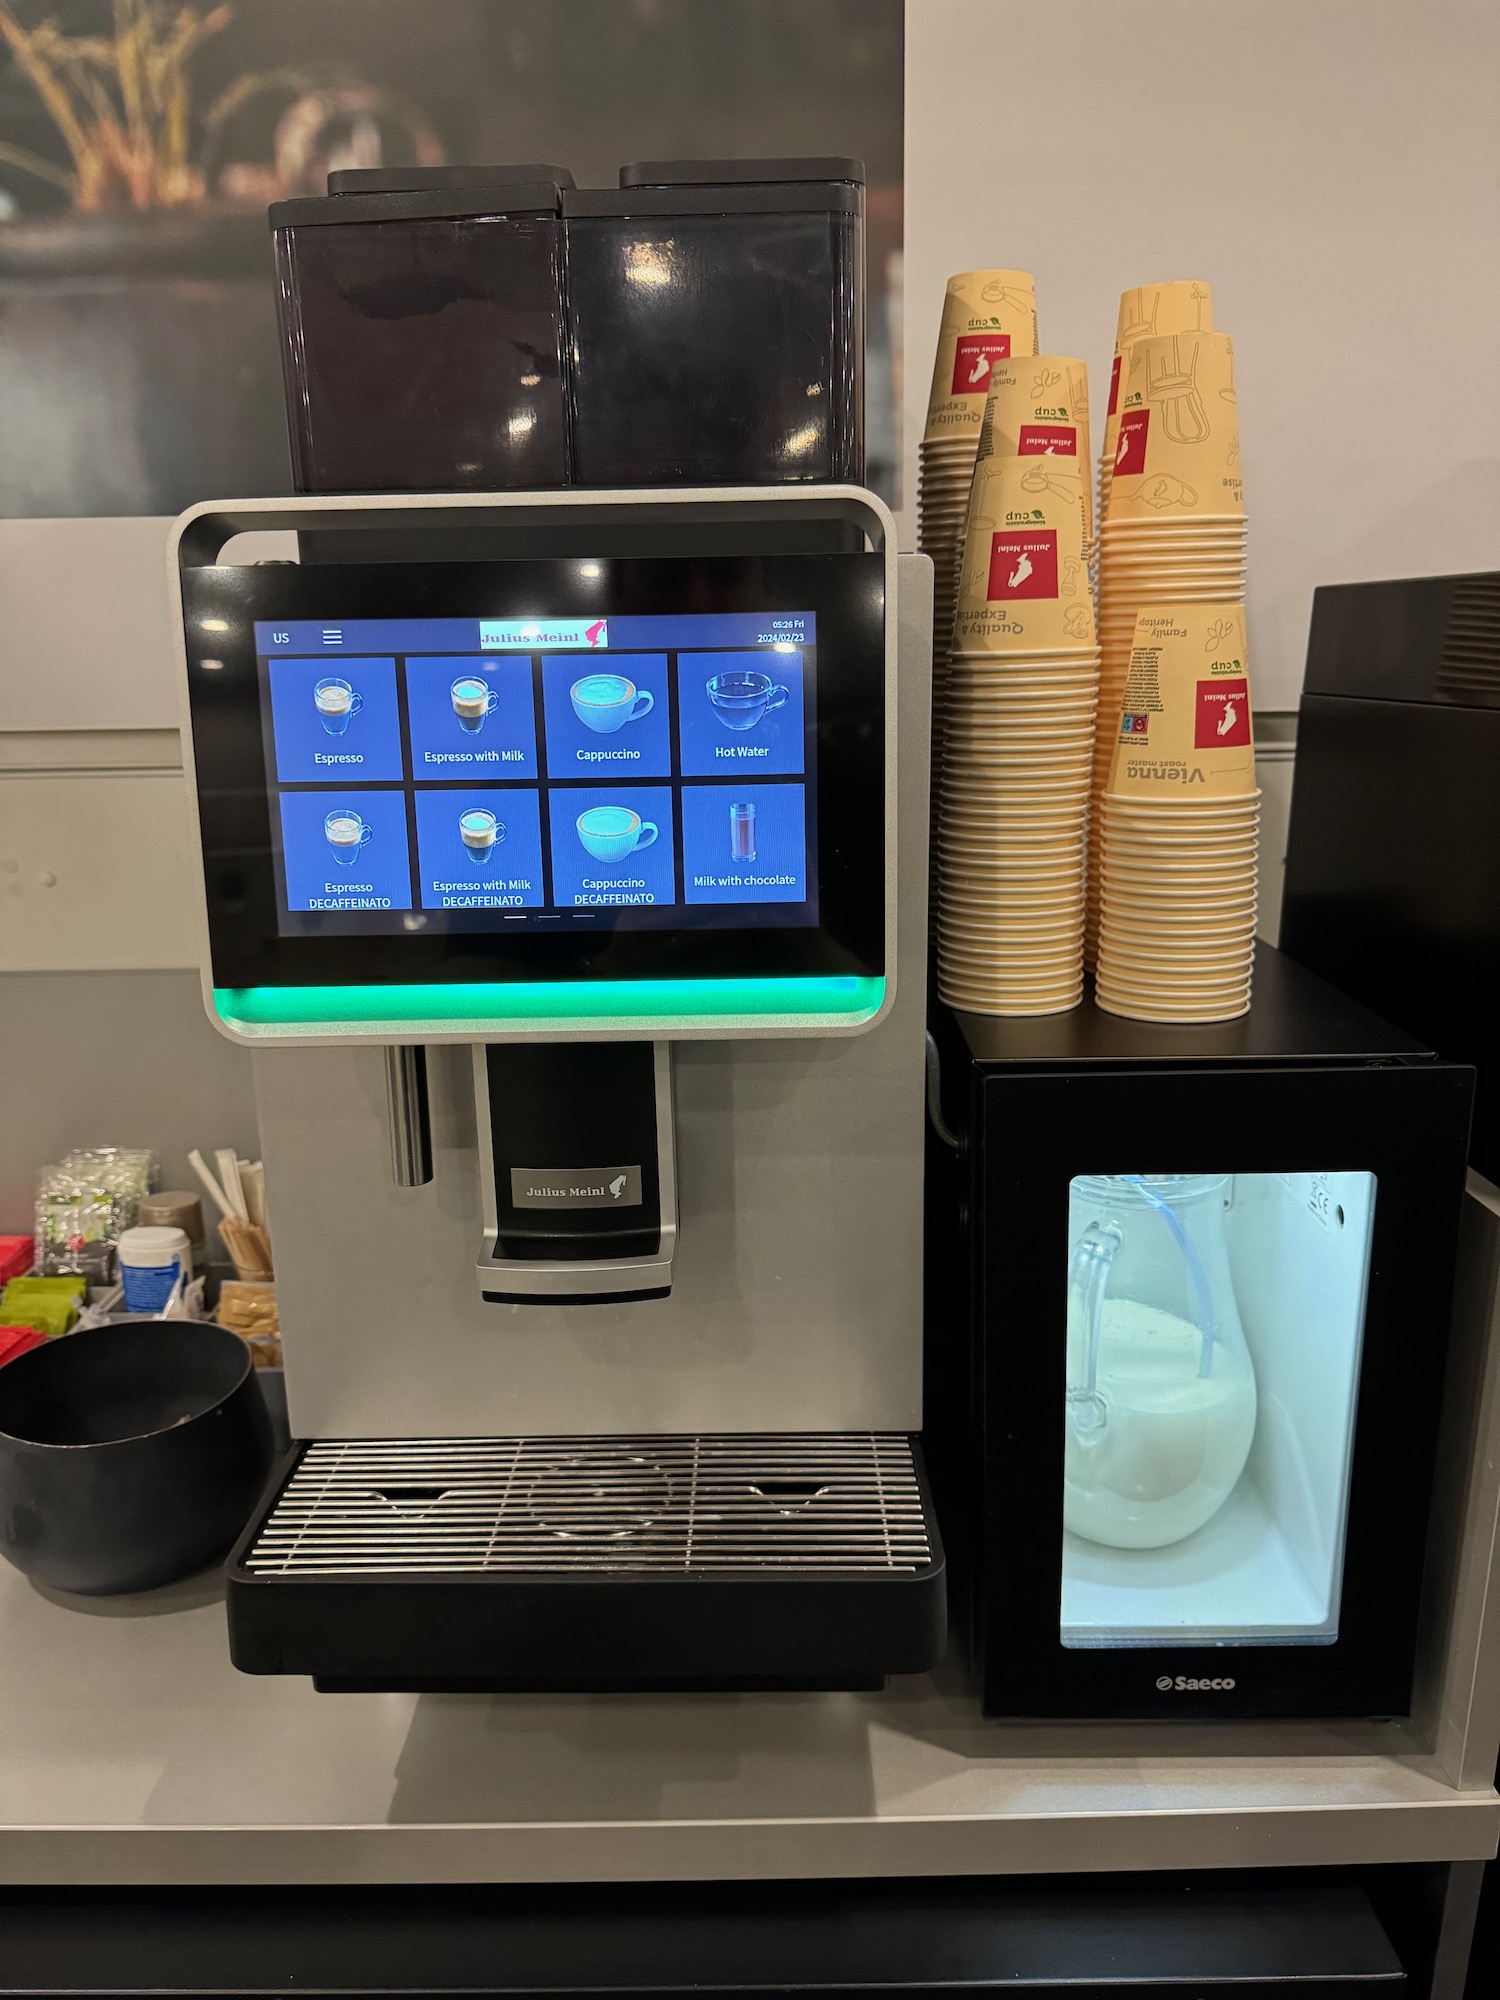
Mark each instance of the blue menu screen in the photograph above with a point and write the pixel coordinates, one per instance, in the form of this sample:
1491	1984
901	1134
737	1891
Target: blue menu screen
470	773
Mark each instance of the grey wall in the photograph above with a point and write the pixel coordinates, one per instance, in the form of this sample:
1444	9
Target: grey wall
113	1058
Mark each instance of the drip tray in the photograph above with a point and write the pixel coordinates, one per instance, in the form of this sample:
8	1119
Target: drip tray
799	1559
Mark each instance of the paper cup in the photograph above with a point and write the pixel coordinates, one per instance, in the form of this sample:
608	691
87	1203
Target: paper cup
1015	930
1182	843
1048	791
1128	964
1186	990
1014	809
1183	811
1196	1017
1023	706
1025	588
1002	1008
1128	532
974	882
1141	884
1180	305
1061	903
1183	959
1037	407
988	316
1177	446
1185	713
1020	986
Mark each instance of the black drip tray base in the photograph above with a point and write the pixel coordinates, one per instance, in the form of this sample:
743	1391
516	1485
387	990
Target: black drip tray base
806	1560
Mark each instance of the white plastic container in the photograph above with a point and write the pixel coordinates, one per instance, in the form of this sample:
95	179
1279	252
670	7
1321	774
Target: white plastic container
151	1262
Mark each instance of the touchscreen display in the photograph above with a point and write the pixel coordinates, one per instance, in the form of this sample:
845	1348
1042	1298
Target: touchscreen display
469	773
559	768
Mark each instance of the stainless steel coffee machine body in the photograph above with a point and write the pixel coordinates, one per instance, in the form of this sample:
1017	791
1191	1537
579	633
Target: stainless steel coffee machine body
712	1431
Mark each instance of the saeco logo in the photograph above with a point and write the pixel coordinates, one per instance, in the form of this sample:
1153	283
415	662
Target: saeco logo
1186	1684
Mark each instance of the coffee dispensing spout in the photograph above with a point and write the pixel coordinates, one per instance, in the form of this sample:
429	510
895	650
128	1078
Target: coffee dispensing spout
406	1109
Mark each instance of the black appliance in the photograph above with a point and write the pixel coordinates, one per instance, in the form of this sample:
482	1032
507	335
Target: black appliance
716	310
422	331
490	328
1393	857
1181	1424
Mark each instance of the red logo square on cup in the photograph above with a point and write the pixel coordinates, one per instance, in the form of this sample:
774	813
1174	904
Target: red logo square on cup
1023	563
973	358
1222	721
1130	446
1048	440
1114	388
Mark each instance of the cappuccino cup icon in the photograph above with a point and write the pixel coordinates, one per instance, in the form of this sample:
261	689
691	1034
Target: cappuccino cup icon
611	832
606	702
347	835
480	833
741	699
473	699
336	702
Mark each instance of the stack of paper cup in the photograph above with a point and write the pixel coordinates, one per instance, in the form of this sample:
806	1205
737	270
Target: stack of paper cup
988	316
1013	790
1181	305
1180	820
1175	529
1038	407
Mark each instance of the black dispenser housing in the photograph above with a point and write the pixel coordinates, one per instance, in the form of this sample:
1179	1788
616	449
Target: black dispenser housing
479	329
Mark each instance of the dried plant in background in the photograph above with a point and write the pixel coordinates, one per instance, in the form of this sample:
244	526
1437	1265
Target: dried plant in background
122	104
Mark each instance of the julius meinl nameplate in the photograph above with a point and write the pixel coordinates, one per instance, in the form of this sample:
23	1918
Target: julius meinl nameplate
565	1187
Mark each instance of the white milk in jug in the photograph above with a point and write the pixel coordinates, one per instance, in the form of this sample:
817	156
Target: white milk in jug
1172	1442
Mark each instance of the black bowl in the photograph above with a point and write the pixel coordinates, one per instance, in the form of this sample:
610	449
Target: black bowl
129	1455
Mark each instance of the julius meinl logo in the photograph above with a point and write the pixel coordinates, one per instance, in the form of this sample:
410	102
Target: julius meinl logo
1188	1684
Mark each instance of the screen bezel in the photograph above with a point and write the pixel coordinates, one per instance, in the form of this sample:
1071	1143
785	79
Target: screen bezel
235	791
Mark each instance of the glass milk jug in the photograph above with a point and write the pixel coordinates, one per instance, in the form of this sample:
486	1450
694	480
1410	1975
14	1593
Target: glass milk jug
1161	1392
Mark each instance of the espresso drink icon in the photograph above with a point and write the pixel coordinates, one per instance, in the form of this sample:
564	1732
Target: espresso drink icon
347	835
740	699
473	699
336	702
606	702
480	833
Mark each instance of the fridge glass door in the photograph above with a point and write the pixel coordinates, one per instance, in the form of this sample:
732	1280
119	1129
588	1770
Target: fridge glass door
1215	1325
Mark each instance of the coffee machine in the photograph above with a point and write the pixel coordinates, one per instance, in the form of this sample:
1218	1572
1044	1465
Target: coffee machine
572	904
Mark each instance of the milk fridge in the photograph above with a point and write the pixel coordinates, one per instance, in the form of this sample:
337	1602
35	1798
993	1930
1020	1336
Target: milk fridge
1187	1319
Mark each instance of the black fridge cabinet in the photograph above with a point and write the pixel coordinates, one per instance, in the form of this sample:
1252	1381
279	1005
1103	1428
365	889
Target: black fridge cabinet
1188	1310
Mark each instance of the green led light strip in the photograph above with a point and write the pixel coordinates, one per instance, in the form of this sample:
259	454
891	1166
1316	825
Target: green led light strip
851	999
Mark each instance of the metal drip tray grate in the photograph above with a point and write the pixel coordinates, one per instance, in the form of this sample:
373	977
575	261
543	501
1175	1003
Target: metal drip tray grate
841	1504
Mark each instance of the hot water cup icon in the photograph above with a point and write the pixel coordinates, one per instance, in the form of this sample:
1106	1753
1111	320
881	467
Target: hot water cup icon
740	699
473	699
606	702
347	835
609	833
336	702
480	833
